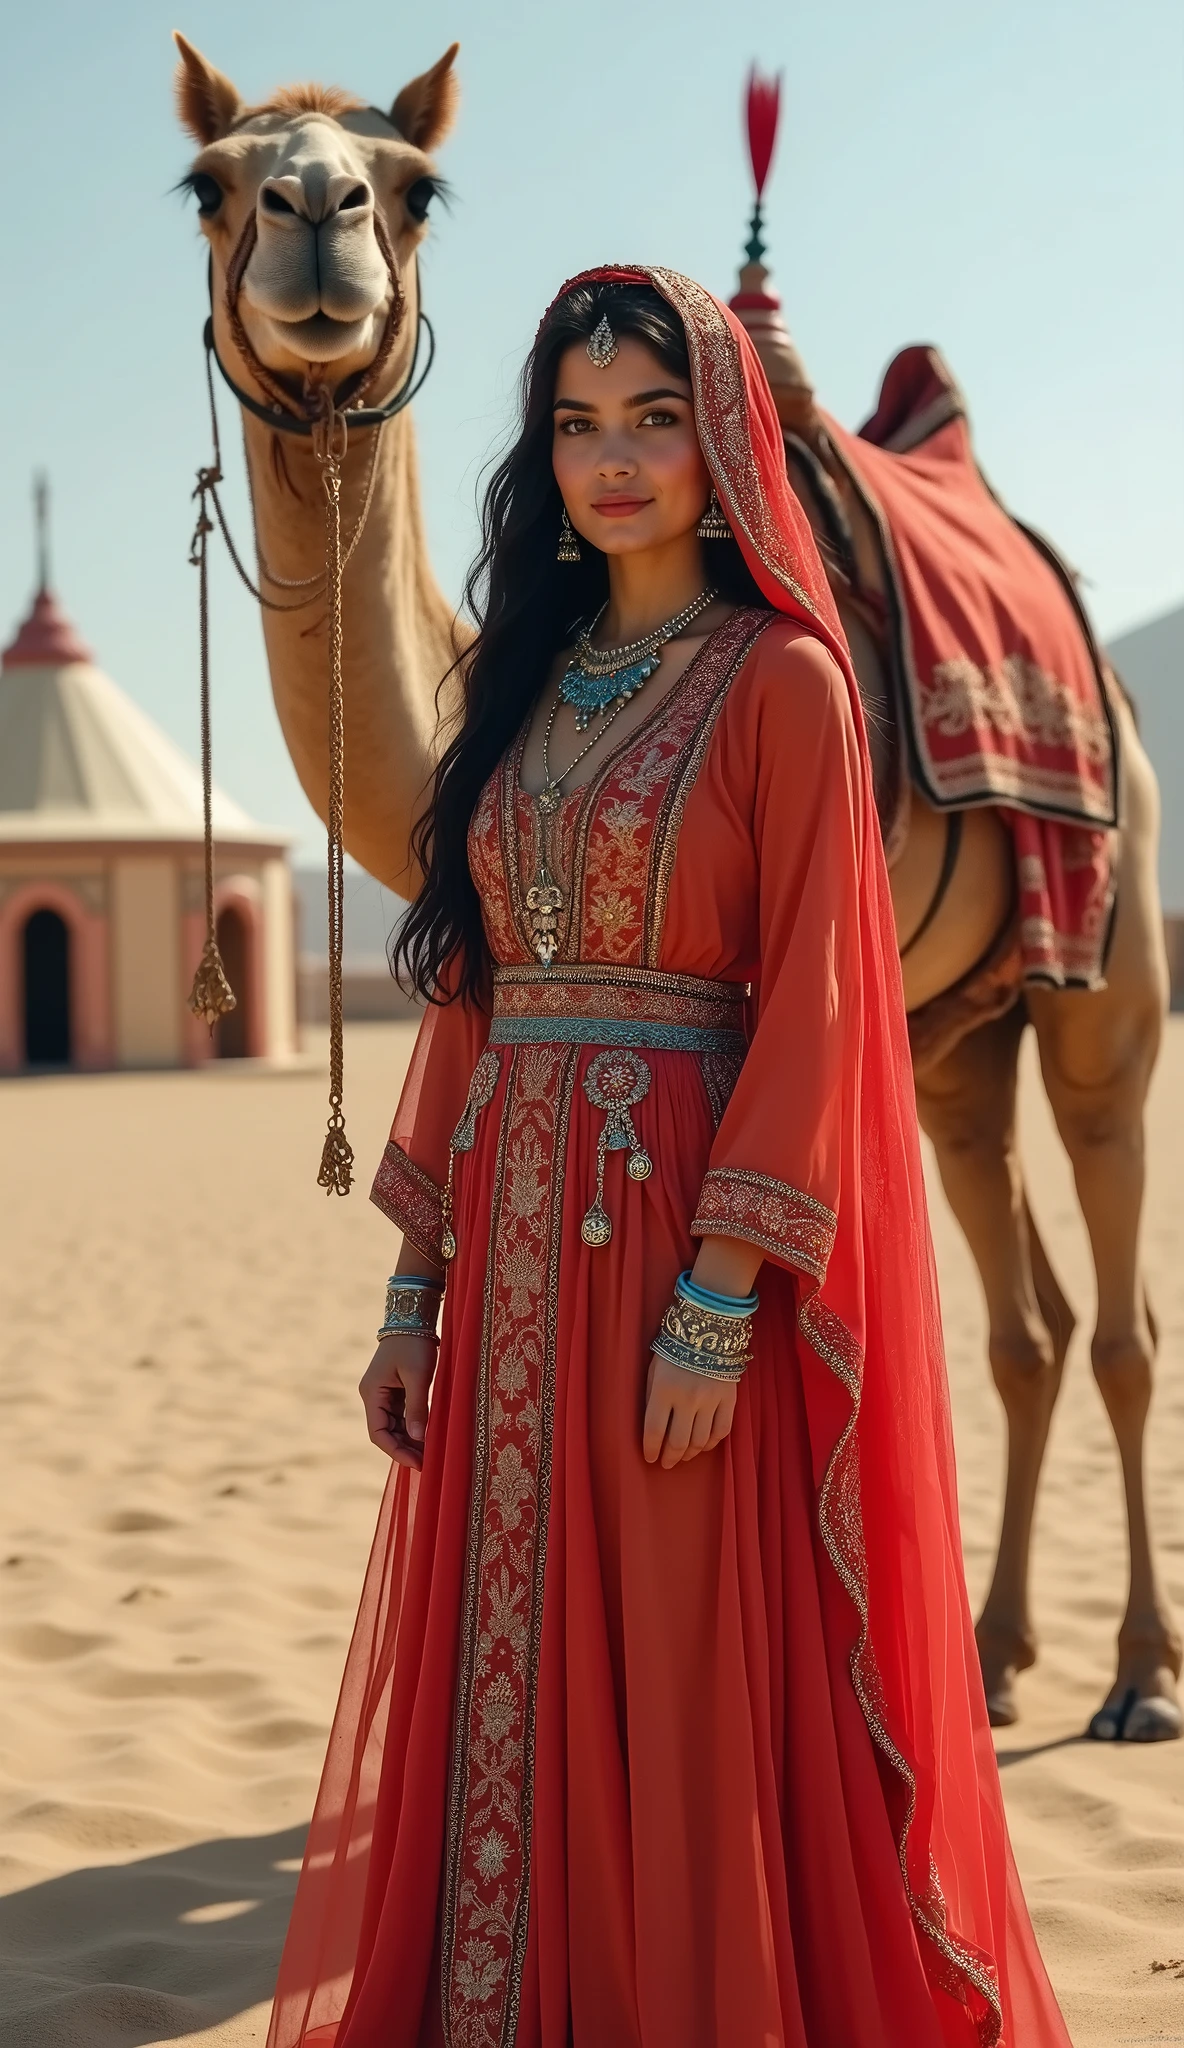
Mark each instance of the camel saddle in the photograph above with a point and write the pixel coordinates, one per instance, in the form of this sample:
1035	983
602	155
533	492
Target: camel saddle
999	685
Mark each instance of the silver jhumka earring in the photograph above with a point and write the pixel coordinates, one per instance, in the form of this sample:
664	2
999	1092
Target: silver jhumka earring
714	525
602	344
569	547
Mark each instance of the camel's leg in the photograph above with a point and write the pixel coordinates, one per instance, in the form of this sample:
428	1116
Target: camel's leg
1097	1053
967	1106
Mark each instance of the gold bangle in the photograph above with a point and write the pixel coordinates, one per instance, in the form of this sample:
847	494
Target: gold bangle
412	1306
699	1340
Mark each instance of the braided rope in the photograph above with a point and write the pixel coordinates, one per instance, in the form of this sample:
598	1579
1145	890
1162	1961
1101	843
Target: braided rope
329	445
211	996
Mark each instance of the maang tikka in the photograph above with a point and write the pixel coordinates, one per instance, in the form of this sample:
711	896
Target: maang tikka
602	344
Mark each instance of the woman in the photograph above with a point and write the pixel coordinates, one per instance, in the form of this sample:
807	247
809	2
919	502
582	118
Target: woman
662	1724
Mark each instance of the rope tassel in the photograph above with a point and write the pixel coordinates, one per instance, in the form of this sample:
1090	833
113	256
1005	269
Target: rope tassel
211	996
329	442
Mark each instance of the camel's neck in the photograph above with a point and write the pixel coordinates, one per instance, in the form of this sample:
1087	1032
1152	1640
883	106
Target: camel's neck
398	632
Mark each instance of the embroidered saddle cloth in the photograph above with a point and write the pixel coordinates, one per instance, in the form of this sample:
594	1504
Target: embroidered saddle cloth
1002	682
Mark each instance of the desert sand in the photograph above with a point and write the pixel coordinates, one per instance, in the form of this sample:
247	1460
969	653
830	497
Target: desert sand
187	1500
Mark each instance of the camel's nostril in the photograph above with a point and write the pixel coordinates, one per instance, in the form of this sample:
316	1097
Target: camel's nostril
275	201
358	197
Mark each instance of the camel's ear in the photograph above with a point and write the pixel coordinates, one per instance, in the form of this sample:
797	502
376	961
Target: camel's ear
207	103
426	109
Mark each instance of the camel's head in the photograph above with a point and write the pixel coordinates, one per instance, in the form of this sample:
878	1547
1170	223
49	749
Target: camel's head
314	169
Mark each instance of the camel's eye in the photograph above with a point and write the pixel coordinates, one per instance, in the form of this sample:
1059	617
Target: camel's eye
418	197
207	192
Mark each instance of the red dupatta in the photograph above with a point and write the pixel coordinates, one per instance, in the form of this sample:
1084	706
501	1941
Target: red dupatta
868	1310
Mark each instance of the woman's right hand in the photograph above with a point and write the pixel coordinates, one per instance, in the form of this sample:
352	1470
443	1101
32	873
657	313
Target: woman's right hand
394	1390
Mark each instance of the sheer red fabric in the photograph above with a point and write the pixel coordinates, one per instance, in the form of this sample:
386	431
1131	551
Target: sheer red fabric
756	1800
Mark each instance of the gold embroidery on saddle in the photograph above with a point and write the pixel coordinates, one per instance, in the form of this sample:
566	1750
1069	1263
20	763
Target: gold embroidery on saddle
482	1089
615	1082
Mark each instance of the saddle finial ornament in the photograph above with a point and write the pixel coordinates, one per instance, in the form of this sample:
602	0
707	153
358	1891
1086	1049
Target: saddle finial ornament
602	344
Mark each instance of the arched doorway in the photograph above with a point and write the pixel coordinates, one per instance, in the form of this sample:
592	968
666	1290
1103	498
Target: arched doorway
47	990
232	1036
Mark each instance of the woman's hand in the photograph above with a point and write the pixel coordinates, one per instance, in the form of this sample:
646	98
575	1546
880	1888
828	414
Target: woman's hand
685	1413
394	1390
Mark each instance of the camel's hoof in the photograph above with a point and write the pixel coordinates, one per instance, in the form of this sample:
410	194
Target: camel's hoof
1154	1720
1131	1719
1002	1711
1002	1655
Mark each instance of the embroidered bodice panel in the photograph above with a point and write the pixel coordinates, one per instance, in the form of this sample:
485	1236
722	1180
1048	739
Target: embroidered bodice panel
612	842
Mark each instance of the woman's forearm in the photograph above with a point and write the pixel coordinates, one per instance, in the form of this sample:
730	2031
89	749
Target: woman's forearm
412	1260
726	1265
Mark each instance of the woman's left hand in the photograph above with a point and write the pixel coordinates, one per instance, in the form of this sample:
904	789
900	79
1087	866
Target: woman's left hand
685	1413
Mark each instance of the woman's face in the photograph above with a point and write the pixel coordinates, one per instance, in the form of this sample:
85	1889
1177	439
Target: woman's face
626	455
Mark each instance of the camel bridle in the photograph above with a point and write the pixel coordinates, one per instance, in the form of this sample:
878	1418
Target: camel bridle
323	415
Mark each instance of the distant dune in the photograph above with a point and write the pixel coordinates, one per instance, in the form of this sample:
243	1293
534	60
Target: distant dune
1150	661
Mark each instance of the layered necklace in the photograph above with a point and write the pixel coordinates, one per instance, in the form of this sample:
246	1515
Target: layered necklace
596	682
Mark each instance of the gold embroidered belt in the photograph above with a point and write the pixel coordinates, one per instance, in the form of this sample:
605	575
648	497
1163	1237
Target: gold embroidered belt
627	1006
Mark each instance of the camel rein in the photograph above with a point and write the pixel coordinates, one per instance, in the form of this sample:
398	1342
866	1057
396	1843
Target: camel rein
324	416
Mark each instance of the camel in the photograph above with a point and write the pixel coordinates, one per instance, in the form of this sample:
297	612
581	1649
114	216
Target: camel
313	166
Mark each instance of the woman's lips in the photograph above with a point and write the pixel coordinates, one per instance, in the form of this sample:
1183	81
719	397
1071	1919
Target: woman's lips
620	508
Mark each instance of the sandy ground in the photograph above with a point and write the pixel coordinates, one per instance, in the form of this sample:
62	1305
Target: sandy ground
187	1501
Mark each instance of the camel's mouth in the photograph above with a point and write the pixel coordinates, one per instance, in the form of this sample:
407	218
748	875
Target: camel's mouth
321	339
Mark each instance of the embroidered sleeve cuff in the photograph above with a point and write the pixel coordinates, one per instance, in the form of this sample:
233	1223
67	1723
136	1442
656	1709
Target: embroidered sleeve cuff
412	1200
789	1225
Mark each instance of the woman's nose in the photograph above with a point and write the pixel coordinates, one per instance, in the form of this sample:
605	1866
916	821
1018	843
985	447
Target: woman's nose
616	458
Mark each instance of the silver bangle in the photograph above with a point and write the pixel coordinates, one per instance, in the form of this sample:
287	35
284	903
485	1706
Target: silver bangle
412	1306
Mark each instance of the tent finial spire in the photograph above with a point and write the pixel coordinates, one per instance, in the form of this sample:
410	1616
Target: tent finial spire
41	519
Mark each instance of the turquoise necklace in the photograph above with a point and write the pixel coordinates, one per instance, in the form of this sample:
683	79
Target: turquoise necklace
596	677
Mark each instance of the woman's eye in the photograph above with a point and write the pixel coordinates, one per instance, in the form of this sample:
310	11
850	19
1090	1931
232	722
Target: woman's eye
575	426
659	419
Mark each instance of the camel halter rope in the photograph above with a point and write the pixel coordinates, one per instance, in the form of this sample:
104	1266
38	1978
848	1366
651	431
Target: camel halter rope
321	415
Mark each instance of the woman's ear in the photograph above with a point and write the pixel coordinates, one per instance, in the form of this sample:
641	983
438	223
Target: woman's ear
426	108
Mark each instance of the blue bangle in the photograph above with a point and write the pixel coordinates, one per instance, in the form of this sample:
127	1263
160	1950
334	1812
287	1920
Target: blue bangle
719	1304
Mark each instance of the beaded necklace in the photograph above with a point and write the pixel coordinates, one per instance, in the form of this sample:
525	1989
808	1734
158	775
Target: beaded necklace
597	676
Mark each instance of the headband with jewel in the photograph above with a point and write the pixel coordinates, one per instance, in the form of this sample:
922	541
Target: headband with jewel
602	346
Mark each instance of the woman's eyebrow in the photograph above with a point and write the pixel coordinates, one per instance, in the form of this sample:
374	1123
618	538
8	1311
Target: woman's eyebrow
572	405
663	391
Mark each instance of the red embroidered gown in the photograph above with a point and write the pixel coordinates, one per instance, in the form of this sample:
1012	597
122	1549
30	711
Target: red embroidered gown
628	1758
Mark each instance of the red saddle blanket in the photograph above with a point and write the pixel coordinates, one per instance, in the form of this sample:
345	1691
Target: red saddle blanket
1003	686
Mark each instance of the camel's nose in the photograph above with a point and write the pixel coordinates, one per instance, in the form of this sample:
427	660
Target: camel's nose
317	196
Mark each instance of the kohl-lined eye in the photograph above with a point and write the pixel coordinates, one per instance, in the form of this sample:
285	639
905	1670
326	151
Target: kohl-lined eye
658	418
577	424
207	192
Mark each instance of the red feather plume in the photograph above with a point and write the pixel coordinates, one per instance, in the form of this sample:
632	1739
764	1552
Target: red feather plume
763	107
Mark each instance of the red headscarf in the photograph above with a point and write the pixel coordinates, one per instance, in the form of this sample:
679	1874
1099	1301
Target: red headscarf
880	1412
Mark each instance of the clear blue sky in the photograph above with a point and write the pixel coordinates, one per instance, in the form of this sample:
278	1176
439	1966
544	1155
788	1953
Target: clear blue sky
1003	179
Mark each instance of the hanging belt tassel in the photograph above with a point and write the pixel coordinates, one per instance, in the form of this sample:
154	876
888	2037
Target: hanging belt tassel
615	1082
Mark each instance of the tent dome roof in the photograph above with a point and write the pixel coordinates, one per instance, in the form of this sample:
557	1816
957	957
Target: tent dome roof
79	761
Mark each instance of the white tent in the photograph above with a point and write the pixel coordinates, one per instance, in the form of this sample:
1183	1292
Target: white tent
101	877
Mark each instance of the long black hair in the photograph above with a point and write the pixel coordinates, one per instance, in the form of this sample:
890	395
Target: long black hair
527	606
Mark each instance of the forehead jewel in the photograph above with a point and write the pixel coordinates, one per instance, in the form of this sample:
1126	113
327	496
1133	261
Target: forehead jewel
602	345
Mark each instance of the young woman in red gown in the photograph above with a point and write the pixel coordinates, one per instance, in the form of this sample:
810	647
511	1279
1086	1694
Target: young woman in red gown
662	1724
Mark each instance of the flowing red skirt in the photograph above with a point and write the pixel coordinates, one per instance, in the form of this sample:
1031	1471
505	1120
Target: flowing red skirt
711	1856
